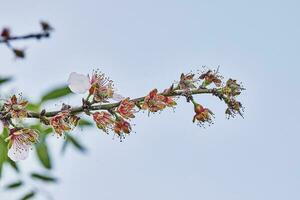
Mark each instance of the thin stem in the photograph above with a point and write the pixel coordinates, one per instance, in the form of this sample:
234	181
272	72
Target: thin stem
25	37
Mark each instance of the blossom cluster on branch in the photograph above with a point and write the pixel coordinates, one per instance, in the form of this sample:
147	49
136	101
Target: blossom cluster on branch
111	112
6	37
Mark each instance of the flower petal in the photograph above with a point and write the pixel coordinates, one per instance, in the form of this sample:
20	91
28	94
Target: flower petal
117	97
1	127
17	154
79	83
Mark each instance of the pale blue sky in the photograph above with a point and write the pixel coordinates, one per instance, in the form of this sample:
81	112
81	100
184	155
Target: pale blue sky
147	44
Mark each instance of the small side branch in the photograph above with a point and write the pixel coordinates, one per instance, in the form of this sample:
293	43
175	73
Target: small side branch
37	36
109	106
7	38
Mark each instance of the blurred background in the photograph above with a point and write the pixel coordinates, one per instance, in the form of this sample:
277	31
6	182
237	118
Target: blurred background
146	44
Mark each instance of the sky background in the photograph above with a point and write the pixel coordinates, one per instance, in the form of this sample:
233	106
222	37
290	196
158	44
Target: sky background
147	44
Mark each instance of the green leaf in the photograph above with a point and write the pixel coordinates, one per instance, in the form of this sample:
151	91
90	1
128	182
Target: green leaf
5	133
64	146
56	93
43	154
42	129
42	177
29	195
75	143
84	122
14	185
34	107
5	80
48	130
13	164
3	154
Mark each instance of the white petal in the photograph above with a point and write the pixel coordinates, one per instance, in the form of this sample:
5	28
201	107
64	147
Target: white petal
1	127
18	154
79	83
117	97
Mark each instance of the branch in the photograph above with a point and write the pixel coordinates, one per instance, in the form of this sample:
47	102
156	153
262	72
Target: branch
37	36
109	106
6	37
115	117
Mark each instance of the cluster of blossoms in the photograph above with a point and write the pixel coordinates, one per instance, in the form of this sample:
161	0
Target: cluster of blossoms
231	90
63	122
101	89
106	122
154	102
225	91
17	108
113	113
20	140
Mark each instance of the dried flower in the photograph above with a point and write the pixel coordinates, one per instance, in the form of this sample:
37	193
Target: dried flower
232	88
211	77
169	101
102	88
5	34
122	126
234	108
187	81
125	109
202	114
20	141
64	122
154	102
17	108
103	120
46	27
19	53
103	93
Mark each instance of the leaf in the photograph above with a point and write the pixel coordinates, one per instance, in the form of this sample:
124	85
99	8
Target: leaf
64	147
45	178
5	80
5	133
43	130
33	107
56	93
43	154
75	143
3	154
14	185
48	130
29	195
13	164
84	122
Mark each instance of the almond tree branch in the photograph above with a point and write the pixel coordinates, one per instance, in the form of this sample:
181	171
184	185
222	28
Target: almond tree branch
37	36
109	106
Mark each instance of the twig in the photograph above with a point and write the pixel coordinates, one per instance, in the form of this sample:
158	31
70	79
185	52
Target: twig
109	106
37	36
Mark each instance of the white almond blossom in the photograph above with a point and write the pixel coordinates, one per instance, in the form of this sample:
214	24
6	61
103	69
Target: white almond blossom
98	85
1	127
79	83
21	142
